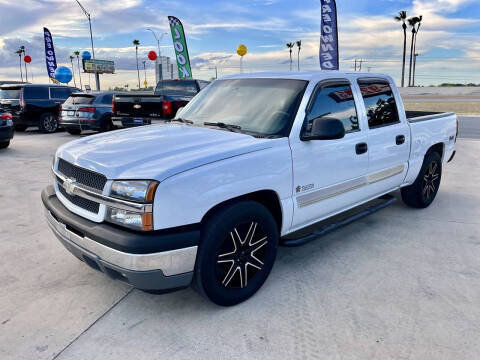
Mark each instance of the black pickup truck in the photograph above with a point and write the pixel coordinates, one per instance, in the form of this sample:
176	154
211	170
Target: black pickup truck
137	109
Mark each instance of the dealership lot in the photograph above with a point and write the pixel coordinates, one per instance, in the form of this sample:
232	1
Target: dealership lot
399	284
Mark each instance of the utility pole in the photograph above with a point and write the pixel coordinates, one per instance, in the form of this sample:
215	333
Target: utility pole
87	14
361	61
145	71
414	67
159	57
355	64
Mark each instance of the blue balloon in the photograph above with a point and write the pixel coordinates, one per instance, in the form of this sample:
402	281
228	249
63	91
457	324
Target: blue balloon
63	74
86	55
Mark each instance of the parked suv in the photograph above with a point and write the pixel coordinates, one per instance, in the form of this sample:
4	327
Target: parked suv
35	105
6	129
87	111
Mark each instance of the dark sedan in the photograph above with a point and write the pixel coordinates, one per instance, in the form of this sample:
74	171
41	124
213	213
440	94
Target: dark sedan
6	129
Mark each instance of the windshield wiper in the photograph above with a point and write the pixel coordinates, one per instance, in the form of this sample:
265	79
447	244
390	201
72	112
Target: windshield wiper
184	121
221	125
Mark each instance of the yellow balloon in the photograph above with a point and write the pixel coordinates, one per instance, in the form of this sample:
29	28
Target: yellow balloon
242	50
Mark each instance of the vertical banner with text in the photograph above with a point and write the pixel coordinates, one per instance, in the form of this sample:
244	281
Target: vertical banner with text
181	50
50	58
329	59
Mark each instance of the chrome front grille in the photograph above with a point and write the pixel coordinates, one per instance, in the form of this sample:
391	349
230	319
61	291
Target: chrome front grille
82	176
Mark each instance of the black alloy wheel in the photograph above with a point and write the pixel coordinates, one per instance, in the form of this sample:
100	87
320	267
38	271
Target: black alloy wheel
237	251
241	255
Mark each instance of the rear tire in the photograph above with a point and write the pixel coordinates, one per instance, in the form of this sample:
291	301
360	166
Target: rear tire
20	128
106	124
236	254
74	131
48	123
4	144
424	190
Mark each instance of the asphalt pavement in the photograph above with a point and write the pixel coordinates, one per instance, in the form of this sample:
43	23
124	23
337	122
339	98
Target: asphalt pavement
469	127
399	284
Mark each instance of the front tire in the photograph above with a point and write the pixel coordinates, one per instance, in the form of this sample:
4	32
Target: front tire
4	144
48	123
237	252
424	190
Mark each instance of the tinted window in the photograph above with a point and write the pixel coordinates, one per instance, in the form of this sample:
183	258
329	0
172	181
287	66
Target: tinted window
263	106
181	88
10	93
59	93
379	103
335	100
82	99
106	99
36	93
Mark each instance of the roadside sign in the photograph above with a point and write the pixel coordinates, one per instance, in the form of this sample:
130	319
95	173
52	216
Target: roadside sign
103	66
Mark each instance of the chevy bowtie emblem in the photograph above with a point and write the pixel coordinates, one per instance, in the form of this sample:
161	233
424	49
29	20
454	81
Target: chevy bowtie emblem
69	186
137	106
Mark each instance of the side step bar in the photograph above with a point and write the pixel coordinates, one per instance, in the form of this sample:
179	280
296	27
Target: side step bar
387	200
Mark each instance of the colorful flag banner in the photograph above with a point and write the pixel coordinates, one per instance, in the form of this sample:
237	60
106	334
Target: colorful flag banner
50	58
329	59
180	45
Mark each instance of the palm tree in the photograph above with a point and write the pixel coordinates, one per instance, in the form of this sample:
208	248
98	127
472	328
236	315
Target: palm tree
137	43
290	46
419	24
19	52
402	17
299	44
22	48
73	71
77	54
413	23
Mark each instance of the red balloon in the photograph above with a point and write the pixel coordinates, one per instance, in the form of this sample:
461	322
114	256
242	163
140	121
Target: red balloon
152	55
27	59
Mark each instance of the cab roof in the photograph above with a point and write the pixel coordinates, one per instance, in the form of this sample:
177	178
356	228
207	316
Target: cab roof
307	75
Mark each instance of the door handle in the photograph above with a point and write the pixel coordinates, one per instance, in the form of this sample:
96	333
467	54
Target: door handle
400	139
361	148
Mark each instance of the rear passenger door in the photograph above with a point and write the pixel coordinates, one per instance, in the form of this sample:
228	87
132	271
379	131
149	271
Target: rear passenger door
329	174
388	136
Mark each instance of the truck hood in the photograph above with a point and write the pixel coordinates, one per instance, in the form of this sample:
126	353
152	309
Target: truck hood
158	151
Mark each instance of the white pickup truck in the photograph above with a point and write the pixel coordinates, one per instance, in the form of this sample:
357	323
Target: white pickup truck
252	162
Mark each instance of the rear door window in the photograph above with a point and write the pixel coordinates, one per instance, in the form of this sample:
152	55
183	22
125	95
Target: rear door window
35	93
107	99
379	102
59	93
10	93
334	99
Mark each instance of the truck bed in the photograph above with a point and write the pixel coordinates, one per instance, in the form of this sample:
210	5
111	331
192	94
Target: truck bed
417	116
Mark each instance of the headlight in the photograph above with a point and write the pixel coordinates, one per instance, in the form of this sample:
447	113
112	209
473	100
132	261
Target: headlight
130	219
138	191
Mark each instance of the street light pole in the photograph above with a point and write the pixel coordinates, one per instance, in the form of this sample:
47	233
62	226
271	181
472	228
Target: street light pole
87	14
159	40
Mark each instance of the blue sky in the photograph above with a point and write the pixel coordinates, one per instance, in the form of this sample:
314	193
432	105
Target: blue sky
448	43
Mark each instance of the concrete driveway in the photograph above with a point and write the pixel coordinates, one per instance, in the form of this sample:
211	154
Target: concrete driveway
400	284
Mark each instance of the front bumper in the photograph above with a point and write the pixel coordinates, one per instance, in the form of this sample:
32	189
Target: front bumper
168	267
6	133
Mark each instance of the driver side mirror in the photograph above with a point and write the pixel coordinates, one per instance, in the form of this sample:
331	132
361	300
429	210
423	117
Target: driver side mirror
323	128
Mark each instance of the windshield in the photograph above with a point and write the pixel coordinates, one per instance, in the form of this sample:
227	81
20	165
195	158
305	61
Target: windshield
263	106
178	88
10	93
82	99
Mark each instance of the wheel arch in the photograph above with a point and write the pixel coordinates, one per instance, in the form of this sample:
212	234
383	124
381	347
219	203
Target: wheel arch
438	147
267	198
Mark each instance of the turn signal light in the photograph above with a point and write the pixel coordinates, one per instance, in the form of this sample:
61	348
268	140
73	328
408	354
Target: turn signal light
167	108
87	109
6	116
